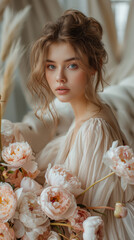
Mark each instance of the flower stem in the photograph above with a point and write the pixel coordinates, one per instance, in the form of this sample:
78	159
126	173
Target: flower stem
95	183
101	207
63	236
60	224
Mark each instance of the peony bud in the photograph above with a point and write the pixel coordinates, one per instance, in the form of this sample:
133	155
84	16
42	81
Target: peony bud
120	210
5	174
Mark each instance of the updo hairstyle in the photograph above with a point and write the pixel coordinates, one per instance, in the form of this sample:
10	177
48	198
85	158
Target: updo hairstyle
84	34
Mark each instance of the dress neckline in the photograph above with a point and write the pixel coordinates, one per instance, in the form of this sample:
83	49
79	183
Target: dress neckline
88	120
72	129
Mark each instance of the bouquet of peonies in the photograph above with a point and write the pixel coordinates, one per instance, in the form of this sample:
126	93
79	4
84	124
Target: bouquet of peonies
29	211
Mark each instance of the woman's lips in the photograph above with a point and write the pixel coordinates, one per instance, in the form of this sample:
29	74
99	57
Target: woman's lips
62	90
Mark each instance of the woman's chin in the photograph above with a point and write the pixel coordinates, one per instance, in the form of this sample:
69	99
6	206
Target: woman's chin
63	99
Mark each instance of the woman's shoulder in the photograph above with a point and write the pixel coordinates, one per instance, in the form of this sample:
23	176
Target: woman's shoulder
103	124
96	125
104	117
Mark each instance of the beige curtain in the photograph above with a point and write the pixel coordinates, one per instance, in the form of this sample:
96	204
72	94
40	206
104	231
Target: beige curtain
125	68
41	12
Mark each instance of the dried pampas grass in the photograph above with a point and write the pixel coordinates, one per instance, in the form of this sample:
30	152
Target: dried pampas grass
11	65
11	50
11	28
3	4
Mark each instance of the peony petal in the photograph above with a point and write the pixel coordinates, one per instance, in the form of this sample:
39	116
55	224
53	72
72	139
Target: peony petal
30	211
42	232
121	161
19	229
30	166
59	176
30	185
19	193
114	144
57	203
54	236
93	227
8	202
6	232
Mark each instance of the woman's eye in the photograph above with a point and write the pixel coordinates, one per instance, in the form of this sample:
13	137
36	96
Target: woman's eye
51	67
73	66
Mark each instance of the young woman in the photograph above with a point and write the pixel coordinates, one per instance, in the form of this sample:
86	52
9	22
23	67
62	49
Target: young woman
67	62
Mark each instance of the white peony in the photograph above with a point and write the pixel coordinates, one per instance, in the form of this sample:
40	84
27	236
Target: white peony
93	227
30	213
30	185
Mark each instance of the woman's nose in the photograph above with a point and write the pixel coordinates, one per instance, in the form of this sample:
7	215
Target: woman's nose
60	77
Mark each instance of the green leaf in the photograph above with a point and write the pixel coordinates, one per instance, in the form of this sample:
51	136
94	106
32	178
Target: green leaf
2	168
10	171
13	186
81	205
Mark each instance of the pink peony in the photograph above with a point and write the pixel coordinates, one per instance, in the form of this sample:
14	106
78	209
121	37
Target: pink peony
17	154
120	210
57	203
17	175
79	217
6	232
59	176
93	227
8	202
121	161
13	178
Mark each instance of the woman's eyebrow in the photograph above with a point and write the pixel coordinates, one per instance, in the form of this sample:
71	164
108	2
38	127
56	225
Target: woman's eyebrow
66	60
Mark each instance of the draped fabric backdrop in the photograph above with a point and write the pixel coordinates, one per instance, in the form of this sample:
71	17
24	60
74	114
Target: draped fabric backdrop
125	67
119	66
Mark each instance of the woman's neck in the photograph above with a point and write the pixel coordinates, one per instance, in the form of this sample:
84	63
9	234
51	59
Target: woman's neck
83	110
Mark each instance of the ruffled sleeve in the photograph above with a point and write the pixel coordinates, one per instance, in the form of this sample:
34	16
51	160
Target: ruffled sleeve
95	137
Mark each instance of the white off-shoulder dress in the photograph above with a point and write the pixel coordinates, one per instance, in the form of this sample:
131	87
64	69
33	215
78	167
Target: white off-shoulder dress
84	159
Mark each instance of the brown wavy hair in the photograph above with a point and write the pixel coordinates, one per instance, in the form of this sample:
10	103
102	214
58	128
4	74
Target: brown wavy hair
85	35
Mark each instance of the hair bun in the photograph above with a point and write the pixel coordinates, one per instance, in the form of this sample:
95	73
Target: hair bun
96	27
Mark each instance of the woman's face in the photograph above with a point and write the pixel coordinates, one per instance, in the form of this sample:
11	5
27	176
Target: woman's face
64	75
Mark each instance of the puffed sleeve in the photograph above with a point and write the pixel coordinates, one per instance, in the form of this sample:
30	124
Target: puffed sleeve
96	137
